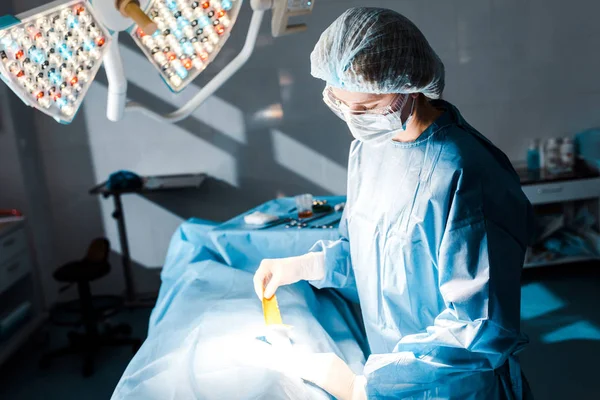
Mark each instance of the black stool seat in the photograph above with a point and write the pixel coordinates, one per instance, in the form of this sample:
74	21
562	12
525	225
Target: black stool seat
94	266
81	271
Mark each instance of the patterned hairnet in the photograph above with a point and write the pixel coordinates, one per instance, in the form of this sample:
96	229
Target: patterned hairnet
375	50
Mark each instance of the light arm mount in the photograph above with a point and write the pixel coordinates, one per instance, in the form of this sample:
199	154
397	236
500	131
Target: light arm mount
131	9
282	10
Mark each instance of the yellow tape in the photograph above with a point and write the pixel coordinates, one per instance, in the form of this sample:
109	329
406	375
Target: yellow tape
271	311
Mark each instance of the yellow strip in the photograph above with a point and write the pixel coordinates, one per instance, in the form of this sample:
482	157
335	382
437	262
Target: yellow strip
271	311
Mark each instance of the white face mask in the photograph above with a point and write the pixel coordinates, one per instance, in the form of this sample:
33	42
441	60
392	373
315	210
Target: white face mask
378	129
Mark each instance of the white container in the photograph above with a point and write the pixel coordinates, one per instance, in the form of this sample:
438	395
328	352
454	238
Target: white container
567	154
552	156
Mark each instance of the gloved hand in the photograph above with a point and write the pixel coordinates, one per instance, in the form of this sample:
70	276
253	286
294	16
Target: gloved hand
333	375
273	273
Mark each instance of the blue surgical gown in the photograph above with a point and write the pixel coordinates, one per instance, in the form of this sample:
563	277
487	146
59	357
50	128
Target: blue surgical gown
433	240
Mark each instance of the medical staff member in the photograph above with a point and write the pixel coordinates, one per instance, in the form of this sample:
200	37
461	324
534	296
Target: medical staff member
434	232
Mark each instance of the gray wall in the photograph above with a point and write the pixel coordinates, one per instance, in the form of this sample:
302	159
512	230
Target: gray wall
22	181
12	191
517	69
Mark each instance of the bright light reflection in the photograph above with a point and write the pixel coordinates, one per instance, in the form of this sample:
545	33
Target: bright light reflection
582	330
537	301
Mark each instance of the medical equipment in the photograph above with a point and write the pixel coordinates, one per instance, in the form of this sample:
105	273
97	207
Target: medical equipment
296	224
552	155
304	205
559	155
259	218
190	34
567	154
533	155
321	206
284	10
328	225
150	184
271	311
131	9
245	246
302	223
277	334
588	147
50	55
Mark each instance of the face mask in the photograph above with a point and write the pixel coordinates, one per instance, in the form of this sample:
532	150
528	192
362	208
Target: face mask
378	129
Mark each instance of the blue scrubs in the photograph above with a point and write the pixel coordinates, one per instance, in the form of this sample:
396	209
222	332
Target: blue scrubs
433	240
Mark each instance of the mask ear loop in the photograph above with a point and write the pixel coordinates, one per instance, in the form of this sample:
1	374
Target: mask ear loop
412	108
410	115
394	117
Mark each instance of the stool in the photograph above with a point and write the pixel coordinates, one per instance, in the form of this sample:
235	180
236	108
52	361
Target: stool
93	266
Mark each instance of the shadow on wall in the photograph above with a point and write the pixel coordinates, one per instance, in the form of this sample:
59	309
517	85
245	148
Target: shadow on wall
218	200
291	155
261	171
215	200
200	203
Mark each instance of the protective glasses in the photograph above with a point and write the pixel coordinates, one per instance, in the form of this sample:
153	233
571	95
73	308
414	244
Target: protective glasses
389	113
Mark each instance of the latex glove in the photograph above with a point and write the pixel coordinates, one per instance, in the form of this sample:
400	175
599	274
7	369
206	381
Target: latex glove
333	375
273	273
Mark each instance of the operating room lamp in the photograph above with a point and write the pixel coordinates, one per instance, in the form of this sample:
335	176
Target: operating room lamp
50	55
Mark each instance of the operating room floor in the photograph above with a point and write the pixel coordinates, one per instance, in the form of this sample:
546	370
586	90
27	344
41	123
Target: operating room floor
561	315
21	378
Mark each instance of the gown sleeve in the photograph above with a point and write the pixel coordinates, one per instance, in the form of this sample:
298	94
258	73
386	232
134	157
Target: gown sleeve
338	267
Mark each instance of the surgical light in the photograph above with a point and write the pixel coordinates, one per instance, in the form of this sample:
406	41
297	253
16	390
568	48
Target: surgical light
190	34
50	56
283	10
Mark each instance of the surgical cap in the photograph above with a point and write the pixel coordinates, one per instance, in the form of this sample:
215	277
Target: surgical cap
375	50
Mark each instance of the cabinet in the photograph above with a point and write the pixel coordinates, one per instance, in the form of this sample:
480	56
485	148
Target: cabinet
566	191
21	309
